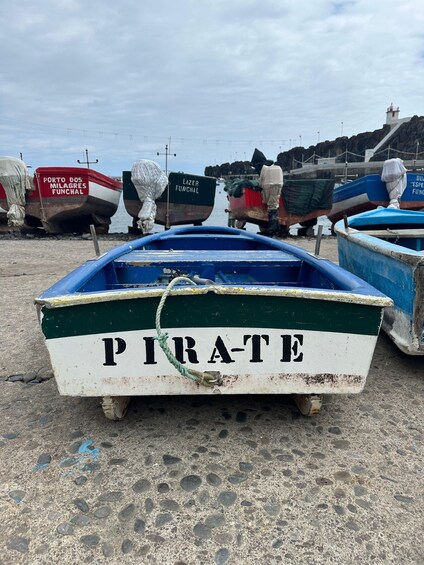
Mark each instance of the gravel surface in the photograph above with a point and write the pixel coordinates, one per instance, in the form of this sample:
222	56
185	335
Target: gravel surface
199	480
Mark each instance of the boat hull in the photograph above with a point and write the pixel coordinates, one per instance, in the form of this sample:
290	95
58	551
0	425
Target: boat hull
369	192
249	207
259	344
70	199
396	271
190	200
264	315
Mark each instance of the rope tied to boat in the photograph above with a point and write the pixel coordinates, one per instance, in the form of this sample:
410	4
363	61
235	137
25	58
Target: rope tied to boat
205	378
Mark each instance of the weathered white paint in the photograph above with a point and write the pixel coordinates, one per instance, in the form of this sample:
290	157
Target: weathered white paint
398	326
341	360
104	193
349	203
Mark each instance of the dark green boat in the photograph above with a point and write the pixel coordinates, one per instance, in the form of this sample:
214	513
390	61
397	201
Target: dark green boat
188	199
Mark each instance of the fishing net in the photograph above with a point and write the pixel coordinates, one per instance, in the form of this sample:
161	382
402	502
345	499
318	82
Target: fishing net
234	187
303	196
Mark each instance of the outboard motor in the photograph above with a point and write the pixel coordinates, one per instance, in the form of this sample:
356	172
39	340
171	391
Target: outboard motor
394	175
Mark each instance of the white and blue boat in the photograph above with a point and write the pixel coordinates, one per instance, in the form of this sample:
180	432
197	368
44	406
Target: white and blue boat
244	314
385	247
370	192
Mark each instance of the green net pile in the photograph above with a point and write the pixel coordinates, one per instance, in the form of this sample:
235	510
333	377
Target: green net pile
306	195
234	187
300	196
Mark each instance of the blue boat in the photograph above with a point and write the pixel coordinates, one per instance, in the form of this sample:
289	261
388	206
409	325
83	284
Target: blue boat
369	192
385	247
244	314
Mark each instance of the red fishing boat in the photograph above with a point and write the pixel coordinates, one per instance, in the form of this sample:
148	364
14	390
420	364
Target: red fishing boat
68	199
301	202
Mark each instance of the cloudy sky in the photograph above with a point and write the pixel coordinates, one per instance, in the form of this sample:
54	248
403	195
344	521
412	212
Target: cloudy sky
215	78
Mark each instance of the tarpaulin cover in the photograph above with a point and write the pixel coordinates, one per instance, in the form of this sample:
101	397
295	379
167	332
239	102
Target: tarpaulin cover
15	181
234	187
303	196
259	160
388	218
394	175
150	182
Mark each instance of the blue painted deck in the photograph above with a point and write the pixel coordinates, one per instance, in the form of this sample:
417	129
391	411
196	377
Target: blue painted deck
223	255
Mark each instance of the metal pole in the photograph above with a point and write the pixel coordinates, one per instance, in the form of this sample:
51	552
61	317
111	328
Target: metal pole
346	164
345	222
43	212
95	240
318	241
167	226
167	189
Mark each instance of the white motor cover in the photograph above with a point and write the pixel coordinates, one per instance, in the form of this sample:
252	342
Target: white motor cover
394	175
15	181
271	174
150	182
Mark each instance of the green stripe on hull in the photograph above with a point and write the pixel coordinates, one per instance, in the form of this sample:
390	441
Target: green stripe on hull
211	310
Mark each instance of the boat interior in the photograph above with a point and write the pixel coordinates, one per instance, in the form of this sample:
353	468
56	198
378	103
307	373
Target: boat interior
208	260
409	238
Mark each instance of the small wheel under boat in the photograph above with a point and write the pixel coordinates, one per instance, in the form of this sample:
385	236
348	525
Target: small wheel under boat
309	223
283	230
307	227
305	232
308	404
115	407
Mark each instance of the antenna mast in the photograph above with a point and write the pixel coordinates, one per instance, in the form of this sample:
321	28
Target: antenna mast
167	153
87	162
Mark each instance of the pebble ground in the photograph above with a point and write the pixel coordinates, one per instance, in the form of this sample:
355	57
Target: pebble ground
194	479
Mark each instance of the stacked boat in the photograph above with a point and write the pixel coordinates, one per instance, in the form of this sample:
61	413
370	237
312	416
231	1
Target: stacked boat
395	187
385	247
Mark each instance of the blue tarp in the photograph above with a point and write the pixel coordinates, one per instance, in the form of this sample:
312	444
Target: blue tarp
387	217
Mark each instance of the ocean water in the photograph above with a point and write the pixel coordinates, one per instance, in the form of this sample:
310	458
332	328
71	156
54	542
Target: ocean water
121	220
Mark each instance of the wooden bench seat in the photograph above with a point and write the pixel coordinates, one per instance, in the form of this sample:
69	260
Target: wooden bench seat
187	257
